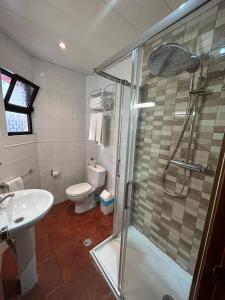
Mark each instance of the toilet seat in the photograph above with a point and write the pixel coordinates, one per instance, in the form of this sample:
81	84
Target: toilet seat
79	189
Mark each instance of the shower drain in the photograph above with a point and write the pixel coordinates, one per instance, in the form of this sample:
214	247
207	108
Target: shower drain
167	297
87	242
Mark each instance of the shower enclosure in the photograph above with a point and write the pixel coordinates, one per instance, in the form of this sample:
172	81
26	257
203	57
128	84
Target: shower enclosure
171	129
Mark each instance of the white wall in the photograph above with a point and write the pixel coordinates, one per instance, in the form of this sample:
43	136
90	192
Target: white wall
59	123
107	155
17	153
58	141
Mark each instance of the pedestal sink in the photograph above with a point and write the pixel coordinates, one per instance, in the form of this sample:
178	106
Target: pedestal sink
19	213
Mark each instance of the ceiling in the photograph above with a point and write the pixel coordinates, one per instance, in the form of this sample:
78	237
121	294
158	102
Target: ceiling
93	30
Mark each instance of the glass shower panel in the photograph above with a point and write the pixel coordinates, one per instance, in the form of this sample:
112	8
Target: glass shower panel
122	154
108	255
164	232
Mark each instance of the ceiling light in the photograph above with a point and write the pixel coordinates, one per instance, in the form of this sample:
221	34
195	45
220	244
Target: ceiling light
62	45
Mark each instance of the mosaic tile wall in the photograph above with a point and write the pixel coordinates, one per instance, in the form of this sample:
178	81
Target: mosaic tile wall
176	225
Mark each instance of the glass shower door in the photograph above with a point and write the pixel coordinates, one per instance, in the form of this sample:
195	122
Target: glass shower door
108	254
161	233
151	218
147	271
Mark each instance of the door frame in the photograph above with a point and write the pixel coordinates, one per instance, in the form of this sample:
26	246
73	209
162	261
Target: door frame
213	239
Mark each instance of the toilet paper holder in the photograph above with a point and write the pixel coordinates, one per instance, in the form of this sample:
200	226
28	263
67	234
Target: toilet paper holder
54	173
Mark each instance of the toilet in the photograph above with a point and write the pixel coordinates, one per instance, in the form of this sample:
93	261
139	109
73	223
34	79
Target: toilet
83	193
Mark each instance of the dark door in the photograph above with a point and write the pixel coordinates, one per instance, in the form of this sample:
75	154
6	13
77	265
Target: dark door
212	280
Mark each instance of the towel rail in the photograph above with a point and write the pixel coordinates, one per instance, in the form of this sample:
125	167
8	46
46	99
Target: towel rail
3	185
103	103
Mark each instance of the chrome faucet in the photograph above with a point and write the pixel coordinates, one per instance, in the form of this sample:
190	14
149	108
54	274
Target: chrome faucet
5	196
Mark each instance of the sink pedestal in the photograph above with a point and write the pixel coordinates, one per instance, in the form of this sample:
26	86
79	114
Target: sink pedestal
26	258
19	214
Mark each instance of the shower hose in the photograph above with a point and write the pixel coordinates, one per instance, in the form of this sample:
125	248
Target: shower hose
190	112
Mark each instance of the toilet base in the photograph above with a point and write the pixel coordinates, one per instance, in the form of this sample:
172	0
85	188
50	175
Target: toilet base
85	205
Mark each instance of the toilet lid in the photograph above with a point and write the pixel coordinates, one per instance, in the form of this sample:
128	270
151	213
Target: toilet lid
78	189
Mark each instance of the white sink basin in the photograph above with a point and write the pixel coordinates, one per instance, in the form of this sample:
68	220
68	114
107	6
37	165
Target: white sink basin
31	205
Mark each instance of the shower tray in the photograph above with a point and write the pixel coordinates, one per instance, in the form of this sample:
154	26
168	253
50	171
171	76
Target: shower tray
106	258
148	272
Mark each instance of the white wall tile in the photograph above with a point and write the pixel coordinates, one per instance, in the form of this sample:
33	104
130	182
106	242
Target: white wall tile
58	123
106	155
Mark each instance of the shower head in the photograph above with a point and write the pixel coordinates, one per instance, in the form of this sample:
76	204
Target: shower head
171	59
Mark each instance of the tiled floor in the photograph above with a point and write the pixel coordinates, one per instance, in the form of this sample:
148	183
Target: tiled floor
65	270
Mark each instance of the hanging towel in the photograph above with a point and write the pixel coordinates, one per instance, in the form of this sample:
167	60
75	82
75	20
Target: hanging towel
99	117
92	128
15	184
106	121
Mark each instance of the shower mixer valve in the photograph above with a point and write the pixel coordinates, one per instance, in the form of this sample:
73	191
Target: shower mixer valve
194	166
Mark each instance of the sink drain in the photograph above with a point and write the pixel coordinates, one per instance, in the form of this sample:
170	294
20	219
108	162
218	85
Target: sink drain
167	297
87	242
18	220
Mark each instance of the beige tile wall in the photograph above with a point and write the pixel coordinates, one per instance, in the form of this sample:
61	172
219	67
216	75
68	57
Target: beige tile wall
176	225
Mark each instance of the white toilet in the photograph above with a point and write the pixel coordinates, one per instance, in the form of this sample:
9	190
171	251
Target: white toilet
83	193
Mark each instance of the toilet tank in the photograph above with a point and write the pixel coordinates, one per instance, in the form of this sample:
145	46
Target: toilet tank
96	175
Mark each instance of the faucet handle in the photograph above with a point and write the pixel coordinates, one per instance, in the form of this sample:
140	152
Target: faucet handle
5	196
4	234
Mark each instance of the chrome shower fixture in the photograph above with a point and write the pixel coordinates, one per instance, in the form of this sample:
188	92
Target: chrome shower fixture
170	59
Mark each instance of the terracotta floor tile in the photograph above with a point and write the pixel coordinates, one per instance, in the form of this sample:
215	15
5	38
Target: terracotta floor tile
59	223
11	288
73	261
9	275
58	209
65	292
89	285
65	270
34	294
49	276
43	249
40	231
9	268
61	244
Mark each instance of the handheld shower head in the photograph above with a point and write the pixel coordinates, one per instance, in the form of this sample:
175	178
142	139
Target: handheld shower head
170	59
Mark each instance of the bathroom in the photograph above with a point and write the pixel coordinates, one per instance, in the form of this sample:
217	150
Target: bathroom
117	199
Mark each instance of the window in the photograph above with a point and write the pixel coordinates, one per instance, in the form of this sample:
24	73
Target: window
5	79
19	95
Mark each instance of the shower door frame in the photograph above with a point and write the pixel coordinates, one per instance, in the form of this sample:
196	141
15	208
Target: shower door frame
131	137
213	220
181	13
214	199
115	289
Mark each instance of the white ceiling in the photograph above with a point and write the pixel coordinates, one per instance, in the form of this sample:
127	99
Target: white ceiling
93	30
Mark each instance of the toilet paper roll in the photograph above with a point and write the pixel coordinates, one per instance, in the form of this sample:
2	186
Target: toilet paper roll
54	173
